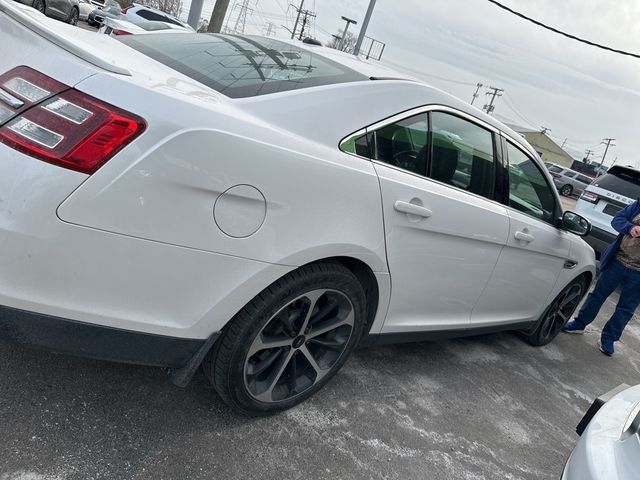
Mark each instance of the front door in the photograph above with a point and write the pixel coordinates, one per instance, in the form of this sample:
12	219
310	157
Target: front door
535	253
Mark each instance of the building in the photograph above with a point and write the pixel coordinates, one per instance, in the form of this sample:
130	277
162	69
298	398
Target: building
548	150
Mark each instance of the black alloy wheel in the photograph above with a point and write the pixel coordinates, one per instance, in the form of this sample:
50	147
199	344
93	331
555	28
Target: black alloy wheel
558	313
298	345
566	190
289	341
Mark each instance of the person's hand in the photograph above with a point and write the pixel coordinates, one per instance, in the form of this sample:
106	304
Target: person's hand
635	232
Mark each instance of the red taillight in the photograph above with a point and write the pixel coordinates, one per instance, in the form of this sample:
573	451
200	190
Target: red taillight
66	127
555	175
120	32
124	10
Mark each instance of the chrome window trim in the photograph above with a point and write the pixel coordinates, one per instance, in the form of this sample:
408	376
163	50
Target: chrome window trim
433	108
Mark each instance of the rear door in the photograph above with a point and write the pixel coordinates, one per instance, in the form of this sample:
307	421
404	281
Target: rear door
536	250
444	232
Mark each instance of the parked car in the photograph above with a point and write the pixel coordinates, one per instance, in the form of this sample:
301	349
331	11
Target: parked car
85	7
609	445
137	13
110	9
115	27
65	10
169	200
567	181
605	197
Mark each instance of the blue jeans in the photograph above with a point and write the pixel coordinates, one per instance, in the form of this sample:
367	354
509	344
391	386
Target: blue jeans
616	274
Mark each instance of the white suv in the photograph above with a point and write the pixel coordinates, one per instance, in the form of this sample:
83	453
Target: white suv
605	197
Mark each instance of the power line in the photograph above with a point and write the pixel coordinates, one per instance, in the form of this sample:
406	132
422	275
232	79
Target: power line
564	34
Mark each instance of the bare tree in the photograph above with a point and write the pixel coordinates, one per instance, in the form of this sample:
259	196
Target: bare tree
349	42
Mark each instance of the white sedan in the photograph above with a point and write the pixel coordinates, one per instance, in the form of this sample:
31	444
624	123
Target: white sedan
260	208
609	445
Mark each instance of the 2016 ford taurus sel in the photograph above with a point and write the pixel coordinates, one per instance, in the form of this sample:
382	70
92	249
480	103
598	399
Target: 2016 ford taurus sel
260	207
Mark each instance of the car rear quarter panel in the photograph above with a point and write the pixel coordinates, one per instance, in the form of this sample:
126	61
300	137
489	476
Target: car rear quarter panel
319	202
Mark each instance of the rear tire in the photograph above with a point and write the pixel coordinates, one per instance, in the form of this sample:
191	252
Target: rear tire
73	17
558	313
566	190
39	5
289	341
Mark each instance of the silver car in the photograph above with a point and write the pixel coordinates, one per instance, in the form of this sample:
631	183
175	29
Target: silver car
567	181
65	10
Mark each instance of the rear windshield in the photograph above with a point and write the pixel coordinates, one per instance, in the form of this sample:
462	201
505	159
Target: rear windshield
241	66
622	181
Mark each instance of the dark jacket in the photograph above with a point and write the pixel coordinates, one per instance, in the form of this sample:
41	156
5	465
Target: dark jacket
622	223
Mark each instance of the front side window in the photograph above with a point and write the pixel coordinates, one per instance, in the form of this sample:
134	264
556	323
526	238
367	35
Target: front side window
462	154
403	144
528	190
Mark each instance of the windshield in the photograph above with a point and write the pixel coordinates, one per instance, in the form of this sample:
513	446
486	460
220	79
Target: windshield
242	66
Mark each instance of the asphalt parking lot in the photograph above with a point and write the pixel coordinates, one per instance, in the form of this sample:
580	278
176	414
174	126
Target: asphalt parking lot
489	407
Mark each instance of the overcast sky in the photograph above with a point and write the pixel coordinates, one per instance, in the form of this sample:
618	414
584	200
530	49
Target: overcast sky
580	92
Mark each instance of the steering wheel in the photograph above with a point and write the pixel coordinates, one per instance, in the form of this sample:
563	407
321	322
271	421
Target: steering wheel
405	159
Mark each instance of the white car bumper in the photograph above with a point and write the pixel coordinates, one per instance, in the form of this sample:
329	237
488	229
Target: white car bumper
609	448
81	290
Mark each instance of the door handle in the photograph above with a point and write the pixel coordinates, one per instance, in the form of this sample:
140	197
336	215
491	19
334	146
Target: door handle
412	209
524	237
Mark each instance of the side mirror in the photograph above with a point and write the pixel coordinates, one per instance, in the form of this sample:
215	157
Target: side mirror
574	223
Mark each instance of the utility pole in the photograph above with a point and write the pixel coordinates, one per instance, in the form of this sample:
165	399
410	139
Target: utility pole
217	16
344	33
476	95
305	15
270	27
587	153
195	10
544	130
365	25
295	26
242	17
497	92
607	142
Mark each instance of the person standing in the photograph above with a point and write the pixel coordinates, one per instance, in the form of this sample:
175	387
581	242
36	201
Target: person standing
619	266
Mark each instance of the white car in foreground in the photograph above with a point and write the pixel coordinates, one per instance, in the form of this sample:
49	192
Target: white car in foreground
261	208
609	445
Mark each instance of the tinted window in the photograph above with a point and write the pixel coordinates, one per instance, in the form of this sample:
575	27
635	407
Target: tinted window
462	154
555	169
569	174
584	179
623	182
241	66
403	144
155	17
528	190
358	145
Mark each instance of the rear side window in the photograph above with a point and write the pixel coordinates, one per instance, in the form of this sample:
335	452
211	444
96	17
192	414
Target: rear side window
569	174
403	144
462	154
584	179
241	66
555	169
